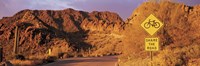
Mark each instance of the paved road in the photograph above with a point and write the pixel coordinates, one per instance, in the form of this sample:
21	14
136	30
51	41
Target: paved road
90	61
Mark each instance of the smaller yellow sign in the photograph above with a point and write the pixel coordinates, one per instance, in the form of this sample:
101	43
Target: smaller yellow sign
151	44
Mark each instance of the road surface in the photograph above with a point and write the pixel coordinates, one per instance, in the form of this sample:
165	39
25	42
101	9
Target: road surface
90	61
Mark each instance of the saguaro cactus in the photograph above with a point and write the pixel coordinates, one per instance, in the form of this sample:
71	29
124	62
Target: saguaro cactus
1	54
16	41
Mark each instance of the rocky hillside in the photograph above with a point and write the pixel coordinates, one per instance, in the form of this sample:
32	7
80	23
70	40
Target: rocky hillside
40	30
179	37
80	33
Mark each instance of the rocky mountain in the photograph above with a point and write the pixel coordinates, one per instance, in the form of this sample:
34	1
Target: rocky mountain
40	30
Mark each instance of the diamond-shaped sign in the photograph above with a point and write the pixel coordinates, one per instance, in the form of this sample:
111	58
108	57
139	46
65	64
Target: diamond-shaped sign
151	24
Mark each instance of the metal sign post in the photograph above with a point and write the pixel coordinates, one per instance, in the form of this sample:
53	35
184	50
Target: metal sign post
151	25
151	58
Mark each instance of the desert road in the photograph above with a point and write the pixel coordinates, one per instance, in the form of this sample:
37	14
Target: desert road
89	61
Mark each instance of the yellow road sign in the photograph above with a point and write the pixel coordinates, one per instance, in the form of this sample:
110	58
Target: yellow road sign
151	44
151	24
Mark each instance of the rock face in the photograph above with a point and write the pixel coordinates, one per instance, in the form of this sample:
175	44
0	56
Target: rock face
179	38
42	29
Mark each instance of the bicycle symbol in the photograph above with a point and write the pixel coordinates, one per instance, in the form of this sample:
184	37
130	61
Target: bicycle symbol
152	23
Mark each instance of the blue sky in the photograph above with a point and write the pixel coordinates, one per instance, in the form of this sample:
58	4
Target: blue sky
123	7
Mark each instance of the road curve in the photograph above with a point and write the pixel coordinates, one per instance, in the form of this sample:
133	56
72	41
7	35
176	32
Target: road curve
89	61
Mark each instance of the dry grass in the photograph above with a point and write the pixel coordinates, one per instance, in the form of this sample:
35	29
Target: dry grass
59	51
194	62
103	44
178	56
187	55
26	62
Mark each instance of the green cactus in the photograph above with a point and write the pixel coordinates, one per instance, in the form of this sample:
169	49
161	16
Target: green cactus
16	41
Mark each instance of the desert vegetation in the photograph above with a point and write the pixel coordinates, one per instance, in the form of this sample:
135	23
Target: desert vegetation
179	44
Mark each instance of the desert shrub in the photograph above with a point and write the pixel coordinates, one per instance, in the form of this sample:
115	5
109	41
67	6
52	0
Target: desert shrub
37	57
194	62
106	50
19	57
60	48
166	57
177	56
103	44
57	52
169	58
26	62
50	59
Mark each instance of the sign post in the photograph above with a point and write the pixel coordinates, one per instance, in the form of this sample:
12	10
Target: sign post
151	25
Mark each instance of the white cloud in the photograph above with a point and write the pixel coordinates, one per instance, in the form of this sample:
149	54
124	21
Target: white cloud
10	7
51	4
